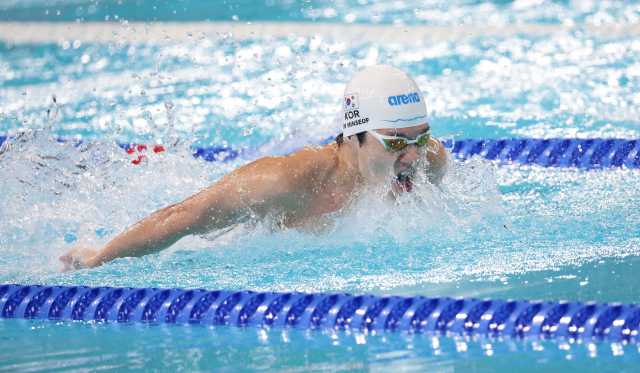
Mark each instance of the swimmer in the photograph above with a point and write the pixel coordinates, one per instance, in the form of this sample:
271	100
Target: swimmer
385	132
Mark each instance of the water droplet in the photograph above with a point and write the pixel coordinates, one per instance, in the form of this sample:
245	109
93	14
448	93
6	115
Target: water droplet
106	18
168	105
112	102
147	30
24	93
235	18
58	12
143	92
167	38
189	34
46	12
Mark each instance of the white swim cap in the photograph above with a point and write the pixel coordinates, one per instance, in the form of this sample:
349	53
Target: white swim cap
382	97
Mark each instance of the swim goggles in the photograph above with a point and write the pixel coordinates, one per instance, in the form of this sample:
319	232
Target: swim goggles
397	143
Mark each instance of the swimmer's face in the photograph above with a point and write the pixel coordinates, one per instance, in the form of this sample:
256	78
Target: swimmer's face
378	165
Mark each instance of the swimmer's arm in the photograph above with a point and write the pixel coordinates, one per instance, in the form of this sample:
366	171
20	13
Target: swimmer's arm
266	184
437	158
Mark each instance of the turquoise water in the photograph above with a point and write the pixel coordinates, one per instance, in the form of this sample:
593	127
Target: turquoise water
410	12
488	231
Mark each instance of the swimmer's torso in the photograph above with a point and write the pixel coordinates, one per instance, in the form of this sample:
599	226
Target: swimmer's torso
301	188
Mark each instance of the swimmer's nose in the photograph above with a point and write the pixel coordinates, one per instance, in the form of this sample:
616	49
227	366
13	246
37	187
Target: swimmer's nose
409	155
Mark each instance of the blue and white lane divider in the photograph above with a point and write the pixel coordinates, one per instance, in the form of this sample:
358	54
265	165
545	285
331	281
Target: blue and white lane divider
440	315
561	153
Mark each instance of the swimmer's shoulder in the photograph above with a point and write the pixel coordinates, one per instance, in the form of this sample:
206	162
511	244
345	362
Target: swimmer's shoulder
314	162
317	157
308	161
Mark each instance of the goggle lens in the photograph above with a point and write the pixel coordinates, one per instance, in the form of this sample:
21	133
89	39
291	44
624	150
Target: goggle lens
424	139
394	145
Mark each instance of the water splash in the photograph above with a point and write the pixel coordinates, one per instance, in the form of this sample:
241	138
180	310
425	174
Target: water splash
67	194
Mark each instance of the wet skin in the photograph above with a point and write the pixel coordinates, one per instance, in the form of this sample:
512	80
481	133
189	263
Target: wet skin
301	188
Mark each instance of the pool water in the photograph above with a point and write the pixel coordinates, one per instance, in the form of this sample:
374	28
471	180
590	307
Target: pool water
487	231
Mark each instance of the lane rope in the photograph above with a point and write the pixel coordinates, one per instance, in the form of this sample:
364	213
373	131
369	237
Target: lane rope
584	154
614	322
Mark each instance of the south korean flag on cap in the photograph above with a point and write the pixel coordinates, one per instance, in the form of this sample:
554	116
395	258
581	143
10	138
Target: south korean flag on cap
351	102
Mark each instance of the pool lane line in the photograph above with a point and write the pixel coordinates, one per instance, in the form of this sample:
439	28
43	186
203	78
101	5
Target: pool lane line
570	321
582	154
22	33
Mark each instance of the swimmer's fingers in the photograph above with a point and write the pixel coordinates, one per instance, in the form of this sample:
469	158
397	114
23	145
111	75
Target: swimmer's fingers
77	258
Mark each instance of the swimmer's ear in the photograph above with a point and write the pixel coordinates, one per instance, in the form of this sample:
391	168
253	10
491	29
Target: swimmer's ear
350	141
354	141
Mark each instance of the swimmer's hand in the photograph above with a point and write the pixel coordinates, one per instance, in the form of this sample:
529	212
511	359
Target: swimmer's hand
78	258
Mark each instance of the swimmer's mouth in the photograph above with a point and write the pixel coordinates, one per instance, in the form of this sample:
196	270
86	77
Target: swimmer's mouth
404	180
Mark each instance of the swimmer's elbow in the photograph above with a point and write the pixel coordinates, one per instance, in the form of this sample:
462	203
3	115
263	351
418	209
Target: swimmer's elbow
437	163
443	158
437	154
177	220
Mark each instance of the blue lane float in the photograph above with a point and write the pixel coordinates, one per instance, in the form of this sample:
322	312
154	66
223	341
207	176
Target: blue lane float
560	153
440	315
584	154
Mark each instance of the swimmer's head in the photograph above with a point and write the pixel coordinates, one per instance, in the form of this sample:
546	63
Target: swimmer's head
381	97
384	102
